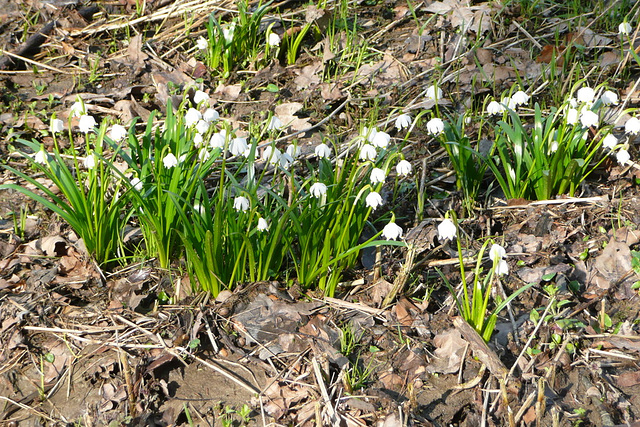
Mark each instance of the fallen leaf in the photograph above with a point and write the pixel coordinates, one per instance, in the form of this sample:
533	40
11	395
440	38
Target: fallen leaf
449	352
629	379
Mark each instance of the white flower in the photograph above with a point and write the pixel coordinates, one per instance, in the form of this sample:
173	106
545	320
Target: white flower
200	96
508	102
588	118
609	98
434	93
373	200
368	152
273	39
377	175
403	168
274	124
495	108
392	231
369	133
572	102
632	126
170	161
118	132
77	109
520	98
496	251
586	95
202	43
572	116
136	183
380	139
90	161
218	139
286	160
227	32
403	121
447	230
203	155
624	28
238	146
271	155
502	268
56	126
622	156
609	141
86	123
318	190
210	115
554	147
435	126
197	140
198	208
293	151
241	203
263	225
192	117
323	150
202	126
41	157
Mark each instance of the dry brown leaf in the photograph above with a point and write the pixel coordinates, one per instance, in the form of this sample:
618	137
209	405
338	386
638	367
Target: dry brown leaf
307	76
629	379
286	113
228	92
449	352
53	246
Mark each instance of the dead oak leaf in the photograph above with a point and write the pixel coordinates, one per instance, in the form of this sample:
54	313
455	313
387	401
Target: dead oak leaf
449	352
286	113
307	75
475	18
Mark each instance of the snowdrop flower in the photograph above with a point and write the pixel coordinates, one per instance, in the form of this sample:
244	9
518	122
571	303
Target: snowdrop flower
495	108
373	200
586	95
508	102
89	162
572	102
210	115
271	155
285	160
318	190
368	152
197	140
202	43
241	203
624	28
56	126
238	146
572	116
588	118
77	109
118	133
217	140
136	183
434	93
274	124
86	123
609	98
377	175
202	126
520	98
632	126
496	252
392	231
192	117
381	140
403	121
200	96
435	126
293	151
323	150
273	39
447	230
203	155
622	156
170	161
41	157
368	133
263	225
227	32
554	147
403	168
609	142
198	208
502	268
